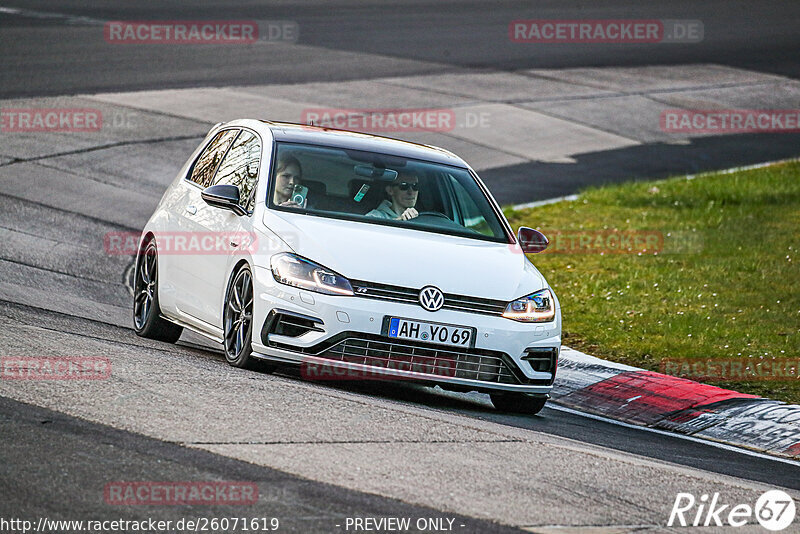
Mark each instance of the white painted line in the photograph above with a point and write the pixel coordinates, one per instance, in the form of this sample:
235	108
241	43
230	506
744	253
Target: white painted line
716	444
571	198
69	19
536	204
744	168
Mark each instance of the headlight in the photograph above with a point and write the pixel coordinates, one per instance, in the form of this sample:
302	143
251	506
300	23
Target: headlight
535	308
296	271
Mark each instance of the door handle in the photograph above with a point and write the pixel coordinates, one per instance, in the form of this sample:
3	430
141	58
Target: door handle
191	209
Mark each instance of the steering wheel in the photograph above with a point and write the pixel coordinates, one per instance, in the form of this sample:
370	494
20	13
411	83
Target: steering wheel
434	214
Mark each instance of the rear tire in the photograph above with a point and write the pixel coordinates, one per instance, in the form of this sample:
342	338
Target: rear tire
147	320
518	403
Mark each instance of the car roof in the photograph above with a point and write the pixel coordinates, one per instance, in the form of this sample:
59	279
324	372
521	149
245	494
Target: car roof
320	135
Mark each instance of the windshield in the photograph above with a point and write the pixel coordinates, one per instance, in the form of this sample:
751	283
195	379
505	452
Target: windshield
381	189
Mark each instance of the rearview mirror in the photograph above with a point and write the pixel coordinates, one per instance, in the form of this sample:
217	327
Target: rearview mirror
376	173
225	197
531	241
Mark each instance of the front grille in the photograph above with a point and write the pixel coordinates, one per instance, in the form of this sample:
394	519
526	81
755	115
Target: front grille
411	296
376	351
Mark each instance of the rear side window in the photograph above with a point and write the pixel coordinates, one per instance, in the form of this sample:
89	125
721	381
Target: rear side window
240	167
206	165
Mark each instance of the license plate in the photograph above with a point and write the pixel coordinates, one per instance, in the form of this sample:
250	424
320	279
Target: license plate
442	334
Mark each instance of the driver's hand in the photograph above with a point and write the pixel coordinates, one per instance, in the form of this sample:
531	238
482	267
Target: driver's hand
410	213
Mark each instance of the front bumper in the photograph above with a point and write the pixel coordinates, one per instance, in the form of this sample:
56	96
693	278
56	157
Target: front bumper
349	338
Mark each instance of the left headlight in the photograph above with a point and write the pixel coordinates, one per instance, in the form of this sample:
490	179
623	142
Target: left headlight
294	270
537	307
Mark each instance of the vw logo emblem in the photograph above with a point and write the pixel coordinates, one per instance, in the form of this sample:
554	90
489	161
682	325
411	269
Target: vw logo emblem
431	298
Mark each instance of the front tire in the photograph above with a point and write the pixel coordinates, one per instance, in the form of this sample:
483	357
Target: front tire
147	320
237	321
518	403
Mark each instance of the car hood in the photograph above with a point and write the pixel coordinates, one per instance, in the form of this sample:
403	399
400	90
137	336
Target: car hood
409	258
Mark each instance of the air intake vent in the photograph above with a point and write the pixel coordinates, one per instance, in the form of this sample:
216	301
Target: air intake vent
542	360
285	323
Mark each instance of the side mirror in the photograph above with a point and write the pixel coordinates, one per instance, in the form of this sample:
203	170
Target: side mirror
531	241
225	197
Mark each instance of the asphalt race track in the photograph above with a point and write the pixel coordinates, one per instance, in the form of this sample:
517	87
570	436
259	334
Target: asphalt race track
56	48
322	453
407	37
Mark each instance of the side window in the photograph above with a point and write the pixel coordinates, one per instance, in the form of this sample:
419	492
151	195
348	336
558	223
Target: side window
207	163
240	167
467	211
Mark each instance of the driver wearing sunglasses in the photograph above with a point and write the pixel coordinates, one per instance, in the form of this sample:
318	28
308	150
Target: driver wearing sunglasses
402	194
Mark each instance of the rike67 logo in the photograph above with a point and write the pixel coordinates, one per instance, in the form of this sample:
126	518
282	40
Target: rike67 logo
774	510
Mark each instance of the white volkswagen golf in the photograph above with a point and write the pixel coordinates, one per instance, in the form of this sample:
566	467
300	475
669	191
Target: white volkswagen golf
352	256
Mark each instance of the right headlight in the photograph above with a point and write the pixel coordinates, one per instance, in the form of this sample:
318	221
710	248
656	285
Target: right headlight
537	307
296	271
